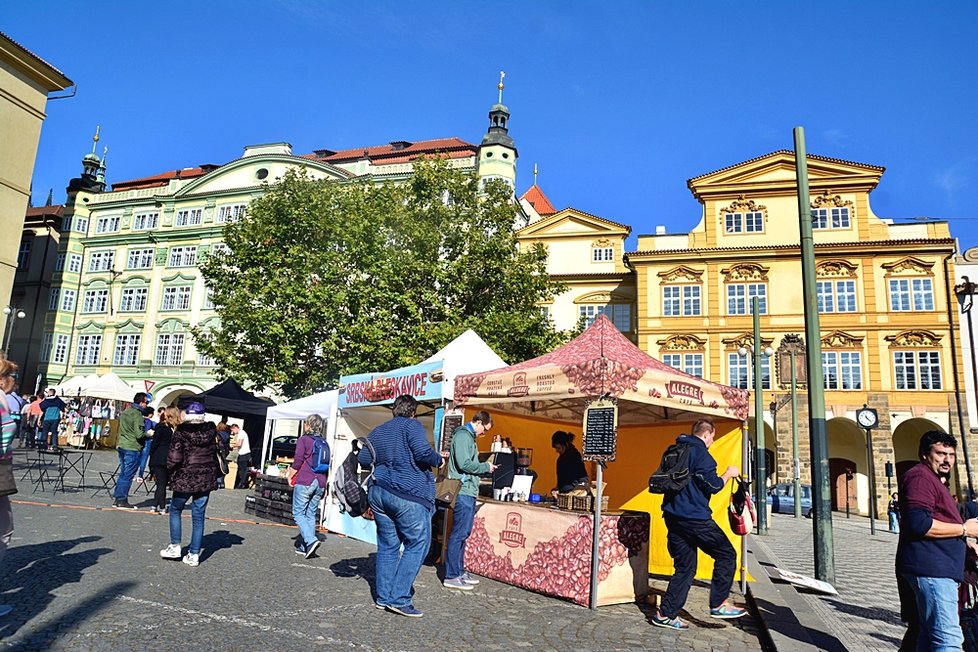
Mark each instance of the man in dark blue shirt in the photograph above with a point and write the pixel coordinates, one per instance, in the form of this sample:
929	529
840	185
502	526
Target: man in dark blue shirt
689	521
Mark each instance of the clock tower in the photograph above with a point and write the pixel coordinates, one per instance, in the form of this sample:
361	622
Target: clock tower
497	153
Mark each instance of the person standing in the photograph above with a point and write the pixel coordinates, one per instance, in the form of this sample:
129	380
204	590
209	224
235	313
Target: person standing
158	452
34	423
8	377
931	550
402	497
132	431
242	444
150	426
690	525
464	464
570	465
893	512
309	487
51	408
192	465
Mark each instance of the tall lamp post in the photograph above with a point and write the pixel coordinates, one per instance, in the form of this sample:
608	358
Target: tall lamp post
12	314
760	461
966	298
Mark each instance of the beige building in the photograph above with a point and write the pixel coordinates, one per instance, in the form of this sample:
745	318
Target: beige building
25	81
887	326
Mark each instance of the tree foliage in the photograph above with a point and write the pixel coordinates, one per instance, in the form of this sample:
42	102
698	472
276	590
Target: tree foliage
327	278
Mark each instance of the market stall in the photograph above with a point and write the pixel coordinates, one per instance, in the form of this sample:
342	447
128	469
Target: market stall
655	403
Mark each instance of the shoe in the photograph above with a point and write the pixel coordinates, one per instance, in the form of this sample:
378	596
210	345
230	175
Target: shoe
380	606
457	583
5	609
124	504
469	579
727	612
191	558
139	480
407	610
172	551
311	548
669	623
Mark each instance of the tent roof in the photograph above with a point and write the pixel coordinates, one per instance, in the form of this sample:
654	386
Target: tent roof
322	404
466	354
231	399
71	386
601	361
111	387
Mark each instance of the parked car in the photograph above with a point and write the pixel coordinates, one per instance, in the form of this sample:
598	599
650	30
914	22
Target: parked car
284	446
781	498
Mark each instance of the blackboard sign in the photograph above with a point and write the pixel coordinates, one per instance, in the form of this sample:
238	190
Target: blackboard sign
449	423
601	431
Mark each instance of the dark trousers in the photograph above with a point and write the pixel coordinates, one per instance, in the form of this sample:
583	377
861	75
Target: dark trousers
241	480
49	433
159	497
685	537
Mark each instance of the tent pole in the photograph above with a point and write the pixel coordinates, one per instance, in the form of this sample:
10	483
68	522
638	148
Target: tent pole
595	538
744	453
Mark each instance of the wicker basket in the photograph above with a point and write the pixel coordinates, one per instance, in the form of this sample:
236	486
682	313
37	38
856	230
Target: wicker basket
563	501
586	503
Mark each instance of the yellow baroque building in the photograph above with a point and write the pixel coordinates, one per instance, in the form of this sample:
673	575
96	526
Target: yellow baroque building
887	314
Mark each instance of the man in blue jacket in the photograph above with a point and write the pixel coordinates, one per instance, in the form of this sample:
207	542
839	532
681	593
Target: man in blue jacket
689	521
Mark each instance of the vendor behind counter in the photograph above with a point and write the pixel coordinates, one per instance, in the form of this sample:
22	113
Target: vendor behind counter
571	472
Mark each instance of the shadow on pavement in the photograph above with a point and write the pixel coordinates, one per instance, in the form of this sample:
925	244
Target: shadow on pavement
34	572
885	615
218	540
362	567
781	619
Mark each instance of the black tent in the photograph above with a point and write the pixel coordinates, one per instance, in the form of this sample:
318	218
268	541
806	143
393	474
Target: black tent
231	399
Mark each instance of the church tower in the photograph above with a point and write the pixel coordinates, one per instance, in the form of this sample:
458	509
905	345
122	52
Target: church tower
497	153
92	178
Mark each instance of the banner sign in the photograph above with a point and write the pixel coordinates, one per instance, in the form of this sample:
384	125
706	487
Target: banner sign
422	381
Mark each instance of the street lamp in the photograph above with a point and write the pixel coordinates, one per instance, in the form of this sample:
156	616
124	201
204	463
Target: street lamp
760	463
12	315
965	292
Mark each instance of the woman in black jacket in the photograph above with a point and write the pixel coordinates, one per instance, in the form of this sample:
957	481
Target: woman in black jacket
570	465
157	455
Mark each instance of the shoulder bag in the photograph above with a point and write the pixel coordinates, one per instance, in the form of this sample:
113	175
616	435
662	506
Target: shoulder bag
222	462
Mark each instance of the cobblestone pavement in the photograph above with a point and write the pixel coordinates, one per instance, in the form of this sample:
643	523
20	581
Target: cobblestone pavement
83	576
865	616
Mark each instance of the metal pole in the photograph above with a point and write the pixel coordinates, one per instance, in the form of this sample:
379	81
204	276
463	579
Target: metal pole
966	287
759	420
794	435
848	480
821	494
970	289
745	461
595	539
872	480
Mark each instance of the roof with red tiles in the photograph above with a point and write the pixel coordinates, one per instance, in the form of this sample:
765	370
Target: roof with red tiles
163	178
538	200
811	157
397	151
37	58
862	244
57	210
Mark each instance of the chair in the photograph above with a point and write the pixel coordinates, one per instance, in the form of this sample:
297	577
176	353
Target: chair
108	481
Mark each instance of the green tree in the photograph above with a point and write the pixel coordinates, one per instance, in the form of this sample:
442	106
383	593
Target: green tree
325	278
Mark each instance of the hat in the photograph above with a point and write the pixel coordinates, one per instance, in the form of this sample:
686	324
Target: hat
195	408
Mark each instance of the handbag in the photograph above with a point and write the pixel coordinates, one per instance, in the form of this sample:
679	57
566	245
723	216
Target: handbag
446	489
741	511
222	462
7	485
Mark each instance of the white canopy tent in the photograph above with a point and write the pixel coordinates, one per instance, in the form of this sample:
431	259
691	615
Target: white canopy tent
110	387
466	354
323	404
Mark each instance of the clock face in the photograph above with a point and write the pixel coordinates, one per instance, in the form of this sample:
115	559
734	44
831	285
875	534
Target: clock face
866	418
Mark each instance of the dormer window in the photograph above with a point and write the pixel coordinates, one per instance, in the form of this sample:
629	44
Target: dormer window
749	222
602	254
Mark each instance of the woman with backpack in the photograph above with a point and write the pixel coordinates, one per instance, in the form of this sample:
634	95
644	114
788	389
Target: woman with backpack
311	455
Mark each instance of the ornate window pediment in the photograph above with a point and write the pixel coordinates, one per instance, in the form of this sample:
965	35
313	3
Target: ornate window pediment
745	340
909	266
744	272
742	216
682	343
827	199
912	339
172	326
835	269
129	326
842	340
179	277
602	297
742	205
602	242
90	327
681	274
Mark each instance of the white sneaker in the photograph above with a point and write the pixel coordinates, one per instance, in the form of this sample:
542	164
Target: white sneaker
191	559
172	551
468	579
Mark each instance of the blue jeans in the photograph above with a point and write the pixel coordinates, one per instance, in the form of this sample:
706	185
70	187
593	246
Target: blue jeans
937	613
399	522
894	522
144	457
197	509
128	463
49	427
462	517
305	500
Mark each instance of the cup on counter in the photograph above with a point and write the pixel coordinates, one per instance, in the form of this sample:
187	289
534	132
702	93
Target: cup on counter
497	494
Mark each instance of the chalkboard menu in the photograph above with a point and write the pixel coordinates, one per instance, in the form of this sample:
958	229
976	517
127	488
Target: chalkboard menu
449	423
601	431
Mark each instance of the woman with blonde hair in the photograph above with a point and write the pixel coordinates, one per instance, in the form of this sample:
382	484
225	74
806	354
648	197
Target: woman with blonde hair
169	419
8	427
309	486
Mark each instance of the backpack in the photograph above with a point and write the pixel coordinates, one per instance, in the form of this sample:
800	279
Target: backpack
673	473
319	458
52	413
350	492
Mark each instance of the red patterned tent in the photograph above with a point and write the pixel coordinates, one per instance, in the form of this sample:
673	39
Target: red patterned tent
601	361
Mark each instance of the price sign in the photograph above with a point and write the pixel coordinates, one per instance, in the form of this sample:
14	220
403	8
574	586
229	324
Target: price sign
449	423
601	430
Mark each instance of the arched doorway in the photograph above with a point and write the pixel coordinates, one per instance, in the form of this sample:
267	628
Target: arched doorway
847	450
168	394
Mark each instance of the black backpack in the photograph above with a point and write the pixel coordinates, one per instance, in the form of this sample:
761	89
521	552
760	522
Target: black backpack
350	491
673	472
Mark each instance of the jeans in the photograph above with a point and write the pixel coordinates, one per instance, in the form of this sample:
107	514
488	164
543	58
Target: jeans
128	464
399	522
49	427
894	522
159	495
197	509
685	537
462	516
305	500
241	479
144	458
937	613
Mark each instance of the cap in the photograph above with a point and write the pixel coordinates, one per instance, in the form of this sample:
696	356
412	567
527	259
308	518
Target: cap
195	408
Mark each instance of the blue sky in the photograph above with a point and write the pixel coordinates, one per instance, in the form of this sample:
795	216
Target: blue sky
619	103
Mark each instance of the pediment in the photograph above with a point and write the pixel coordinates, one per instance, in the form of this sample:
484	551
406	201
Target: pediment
835	269
746	340
841	340
914	338
684	342
246	173
681	274
745	272
570	221
910	265
602	297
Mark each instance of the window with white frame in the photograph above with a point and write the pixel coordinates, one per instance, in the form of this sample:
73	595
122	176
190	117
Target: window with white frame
133	299
740	298
619	313
24	253
59	263
740	369
917	369
681	300
176	298
68	300
53	297
126	349
140	259
911	294
95	300
749	222
101	261
66	224
209	299
183	257
204	360
602	254
830	218
145	221
230	213
74	263
836	296
60	353
842	369
544	310
189	217
107	224
691	363
169	349
220	249
89	347
47	340
80	225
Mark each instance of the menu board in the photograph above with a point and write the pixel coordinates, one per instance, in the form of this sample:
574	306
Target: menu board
449	423
601	430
